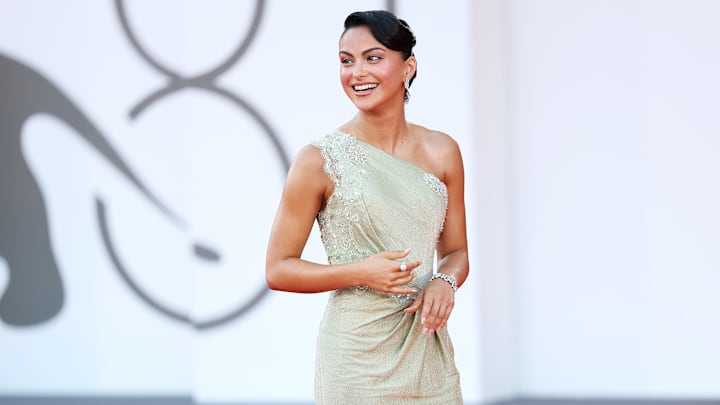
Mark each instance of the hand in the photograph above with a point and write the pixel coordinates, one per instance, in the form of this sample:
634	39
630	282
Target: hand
382	272
437	301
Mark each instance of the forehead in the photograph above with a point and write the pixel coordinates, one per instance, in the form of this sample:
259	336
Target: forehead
358	37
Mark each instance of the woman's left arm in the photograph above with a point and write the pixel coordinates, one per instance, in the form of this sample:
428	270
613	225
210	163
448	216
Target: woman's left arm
438	298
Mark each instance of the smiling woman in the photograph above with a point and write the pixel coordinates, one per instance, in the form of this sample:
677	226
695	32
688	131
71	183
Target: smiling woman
387	195
399	39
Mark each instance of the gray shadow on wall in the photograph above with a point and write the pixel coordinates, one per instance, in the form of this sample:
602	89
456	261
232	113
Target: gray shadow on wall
35	291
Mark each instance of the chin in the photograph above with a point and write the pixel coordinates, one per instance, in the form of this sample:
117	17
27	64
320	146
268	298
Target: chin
365	105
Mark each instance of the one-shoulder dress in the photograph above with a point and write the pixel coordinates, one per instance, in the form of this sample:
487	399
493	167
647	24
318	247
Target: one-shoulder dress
369	351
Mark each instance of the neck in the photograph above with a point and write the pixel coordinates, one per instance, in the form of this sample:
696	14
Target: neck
385	131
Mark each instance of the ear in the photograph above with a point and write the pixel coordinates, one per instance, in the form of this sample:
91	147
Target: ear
410	66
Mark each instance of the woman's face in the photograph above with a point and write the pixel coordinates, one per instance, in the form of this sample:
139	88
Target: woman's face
371	75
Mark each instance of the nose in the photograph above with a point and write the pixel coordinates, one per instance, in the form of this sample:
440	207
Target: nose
360	70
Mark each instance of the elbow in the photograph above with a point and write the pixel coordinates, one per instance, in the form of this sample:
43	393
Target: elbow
271	279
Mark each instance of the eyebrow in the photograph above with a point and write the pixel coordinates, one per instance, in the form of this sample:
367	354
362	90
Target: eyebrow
377	48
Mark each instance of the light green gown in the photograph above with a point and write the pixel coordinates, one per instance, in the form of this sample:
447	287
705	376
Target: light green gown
369	351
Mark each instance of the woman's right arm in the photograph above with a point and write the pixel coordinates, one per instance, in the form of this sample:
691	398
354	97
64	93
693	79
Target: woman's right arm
306	188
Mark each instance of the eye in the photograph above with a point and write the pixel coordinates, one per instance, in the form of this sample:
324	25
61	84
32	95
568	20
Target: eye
345	61
374	58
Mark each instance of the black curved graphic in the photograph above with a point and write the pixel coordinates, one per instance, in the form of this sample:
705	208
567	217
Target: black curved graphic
213	73
35	292
178	316
206	81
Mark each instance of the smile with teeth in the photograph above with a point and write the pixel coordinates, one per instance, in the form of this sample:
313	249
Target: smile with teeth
363	87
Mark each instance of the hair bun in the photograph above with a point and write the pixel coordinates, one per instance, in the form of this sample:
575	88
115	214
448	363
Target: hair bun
405	25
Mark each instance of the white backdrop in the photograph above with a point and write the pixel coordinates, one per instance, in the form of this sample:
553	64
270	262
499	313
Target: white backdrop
212	162
614	116
597	129
592	188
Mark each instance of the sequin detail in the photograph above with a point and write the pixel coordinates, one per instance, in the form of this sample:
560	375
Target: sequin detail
440	189
344	161
436	185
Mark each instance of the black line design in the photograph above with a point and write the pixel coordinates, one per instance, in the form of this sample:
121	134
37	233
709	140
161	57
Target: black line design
205	81
101	213
35	292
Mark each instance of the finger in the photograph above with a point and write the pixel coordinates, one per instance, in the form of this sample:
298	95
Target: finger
408	290
413	308
444	324
432	320
448	313
403	277
416	304
407	268
426	312
444	313
437	315
397	254
412	265
440	319
403	267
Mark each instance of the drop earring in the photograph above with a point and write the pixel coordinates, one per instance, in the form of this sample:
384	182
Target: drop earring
407	91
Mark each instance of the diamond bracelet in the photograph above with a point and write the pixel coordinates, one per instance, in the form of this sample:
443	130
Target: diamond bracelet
448	278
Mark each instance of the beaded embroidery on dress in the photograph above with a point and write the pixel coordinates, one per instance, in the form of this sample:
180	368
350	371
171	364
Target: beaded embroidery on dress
369	351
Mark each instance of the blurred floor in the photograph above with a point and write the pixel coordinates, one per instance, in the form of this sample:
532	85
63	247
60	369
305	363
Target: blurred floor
4	400
556	401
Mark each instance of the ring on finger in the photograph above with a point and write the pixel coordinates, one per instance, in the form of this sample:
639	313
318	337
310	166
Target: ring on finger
403	266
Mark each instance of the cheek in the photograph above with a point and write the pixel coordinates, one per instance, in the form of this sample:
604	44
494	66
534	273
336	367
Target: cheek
387	73
345	75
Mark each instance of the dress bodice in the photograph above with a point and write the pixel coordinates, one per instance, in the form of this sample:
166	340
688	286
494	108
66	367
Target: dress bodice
379	202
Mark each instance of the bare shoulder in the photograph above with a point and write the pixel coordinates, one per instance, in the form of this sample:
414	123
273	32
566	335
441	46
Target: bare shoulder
307	171
441	151
307	166
437	141
309	157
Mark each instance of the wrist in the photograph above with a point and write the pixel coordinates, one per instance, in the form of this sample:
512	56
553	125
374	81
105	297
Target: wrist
355	274
447	278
